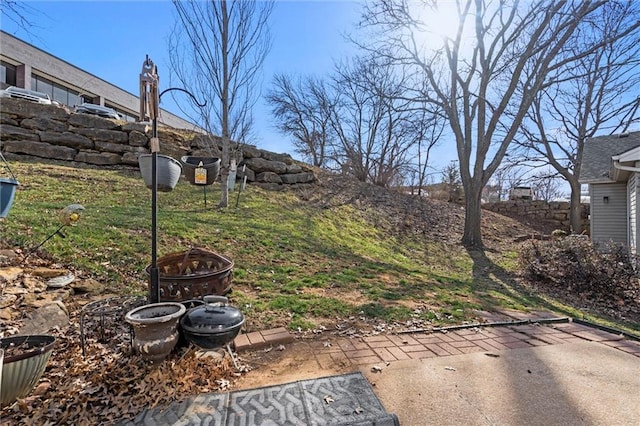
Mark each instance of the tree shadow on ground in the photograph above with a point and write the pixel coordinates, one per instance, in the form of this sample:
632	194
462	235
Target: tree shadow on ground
494	278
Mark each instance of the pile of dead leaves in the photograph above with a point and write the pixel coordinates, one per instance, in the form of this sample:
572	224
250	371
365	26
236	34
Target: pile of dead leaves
598	278
110	383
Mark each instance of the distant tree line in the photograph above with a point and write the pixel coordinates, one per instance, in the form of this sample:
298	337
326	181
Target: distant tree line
360	120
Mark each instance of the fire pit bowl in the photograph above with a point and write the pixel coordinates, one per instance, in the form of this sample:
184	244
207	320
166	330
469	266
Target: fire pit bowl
212	325
193	274
25	359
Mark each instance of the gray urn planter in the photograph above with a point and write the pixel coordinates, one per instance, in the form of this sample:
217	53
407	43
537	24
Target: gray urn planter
155	329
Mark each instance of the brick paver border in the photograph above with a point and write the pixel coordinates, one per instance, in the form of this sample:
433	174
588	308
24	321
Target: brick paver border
539	329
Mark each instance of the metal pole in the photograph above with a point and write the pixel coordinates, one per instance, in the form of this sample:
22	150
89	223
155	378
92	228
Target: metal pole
149	105
154	287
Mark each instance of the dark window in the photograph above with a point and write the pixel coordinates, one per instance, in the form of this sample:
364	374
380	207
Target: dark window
57	92
43	85
7	74
74	99
60	94
123	115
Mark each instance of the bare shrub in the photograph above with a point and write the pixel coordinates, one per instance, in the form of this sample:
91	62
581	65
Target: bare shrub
601	272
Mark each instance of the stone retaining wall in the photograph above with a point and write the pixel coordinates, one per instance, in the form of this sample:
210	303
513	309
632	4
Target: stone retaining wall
51	132
542	214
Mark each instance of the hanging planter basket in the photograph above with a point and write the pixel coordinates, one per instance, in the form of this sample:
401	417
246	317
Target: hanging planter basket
168	171
7	194
8	187
201	170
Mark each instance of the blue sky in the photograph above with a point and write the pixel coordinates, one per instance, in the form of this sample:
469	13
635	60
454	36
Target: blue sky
111	38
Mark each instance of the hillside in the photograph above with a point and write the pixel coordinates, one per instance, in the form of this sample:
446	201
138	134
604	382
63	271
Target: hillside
303	256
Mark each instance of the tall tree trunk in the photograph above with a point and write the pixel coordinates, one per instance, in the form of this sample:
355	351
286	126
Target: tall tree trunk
225	160
575	210
472	237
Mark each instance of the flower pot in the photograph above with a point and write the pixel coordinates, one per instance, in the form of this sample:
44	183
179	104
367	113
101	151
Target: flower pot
25	360
201	170
155	329
168	171
7	194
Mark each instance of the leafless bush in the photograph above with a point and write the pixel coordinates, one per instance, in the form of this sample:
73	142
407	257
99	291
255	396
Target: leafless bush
604	272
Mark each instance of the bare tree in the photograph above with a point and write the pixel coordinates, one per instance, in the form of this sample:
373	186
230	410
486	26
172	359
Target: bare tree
375	128
303	110
452	182
357	121
546	186
508	176
18	12
429	129
216	52
598	93
485	76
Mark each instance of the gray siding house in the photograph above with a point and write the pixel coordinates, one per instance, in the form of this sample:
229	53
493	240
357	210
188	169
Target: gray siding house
611	168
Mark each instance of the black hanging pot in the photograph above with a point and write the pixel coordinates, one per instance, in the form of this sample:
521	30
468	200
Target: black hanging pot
212	325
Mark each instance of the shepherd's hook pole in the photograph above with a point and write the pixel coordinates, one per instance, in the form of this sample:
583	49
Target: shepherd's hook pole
150	105
149	101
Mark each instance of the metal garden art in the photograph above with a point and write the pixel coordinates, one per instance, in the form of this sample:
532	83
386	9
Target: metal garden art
68	216
149	106
204	171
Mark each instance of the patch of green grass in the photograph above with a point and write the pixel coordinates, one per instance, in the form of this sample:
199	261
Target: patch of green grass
298	323
387	313
310	305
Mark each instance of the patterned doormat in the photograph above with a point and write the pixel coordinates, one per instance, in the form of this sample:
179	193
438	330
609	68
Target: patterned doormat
347	399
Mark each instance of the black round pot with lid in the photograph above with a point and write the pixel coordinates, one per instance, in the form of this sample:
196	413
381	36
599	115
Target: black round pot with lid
213	325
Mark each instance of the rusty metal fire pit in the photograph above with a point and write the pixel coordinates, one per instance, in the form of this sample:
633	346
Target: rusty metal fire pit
193	274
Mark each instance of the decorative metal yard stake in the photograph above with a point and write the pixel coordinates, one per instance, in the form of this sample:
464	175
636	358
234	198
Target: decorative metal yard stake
69	216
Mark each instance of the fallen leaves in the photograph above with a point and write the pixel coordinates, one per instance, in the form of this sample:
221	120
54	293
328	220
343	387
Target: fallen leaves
110	383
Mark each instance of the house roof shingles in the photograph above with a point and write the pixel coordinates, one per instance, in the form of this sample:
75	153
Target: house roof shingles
597	153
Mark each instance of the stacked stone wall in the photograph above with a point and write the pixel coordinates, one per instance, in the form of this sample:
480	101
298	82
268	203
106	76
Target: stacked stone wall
50	132
540	214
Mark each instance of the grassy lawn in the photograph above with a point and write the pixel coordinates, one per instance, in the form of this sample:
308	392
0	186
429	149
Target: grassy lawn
296	263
